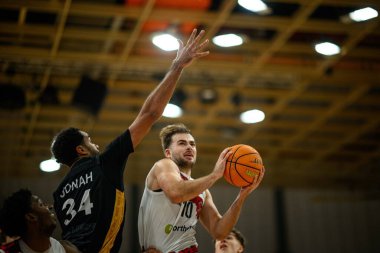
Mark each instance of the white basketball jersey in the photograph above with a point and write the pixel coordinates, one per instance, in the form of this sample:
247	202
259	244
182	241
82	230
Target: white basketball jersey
166	226
55	247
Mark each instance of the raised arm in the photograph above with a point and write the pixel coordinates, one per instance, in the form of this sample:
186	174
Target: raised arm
165	175
154	105
220	226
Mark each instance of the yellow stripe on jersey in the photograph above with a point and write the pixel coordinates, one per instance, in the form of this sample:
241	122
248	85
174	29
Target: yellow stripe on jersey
117	219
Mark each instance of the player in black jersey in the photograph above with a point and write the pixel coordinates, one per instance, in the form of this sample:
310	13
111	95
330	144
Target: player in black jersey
89	202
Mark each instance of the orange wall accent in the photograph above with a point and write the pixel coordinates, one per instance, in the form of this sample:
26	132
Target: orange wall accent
180	4
185	28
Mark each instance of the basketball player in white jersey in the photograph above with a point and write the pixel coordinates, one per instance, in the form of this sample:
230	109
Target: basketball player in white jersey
172	201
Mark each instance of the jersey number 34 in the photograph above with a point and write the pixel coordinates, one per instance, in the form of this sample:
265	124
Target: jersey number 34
85	205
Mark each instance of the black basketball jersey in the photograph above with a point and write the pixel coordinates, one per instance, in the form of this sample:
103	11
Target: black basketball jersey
90	203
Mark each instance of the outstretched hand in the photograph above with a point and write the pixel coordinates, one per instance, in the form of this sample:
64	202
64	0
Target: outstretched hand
192	50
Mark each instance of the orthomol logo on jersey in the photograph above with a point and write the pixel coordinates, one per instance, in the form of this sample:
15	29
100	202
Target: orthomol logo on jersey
169	228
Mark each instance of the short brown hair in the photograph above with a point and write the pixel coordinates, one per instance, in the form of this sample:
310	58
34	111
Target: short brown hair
167	133
239	236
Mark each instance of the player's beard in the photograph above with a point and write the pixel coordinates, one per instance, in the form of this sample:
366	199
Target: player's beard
182	163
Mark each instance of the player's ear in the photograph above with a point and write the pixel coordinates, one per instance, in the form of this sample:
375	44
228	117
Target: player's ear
168	154
30	217
81	150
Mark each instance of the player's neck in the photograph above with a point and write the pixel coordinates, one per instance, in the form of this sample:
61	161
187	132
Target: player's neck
186	171
37	242
80	157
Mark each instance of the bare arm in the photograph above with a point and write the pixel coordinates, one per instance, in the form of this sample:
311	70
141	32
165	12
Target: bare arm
220	226
154	105
165	175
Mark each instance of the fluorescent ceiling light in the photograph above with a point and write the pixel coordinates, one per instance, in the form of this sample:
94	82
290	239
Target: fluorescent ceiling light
228	40
363	14
327	48
252	116
172	111
49	165
166	42
255	6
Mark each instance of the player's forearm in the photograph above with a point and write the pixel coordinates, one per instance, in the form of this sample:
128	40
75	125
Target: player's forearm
189	189
224	226
160	96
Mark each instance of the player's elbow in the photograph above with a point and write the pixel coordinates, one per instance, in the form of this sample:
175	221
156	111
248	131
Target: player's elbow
174	191
152	115
174	197
220	235
153	109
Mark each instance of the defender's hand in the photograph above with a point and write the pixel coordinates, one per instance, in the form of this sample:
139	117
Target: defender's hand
192	50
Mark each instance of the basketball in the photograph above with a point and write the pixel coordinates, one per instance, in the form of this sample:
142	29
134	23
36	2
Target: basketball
243	165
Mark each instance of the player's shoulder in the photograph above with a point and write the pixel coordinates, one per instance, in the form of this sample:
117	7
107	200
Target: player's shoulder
166	160
165	163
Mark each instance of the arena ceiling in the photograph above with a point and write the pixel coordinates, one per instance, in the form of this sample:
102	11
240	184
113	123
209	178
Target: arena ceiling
322	125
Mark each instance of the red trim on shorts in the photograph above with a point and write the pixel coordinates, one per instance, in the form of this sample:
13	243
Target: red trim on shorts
192	249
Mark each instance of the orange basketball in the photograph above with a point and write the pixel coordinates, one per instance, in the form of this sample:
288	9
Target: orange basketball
243	165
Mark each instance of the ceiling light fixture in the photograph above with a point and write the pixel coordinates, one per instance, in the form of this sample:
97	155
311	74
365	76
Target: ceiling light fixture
172	111
257	6
228	40
49	165
327	48
174	108
363	14
166	42
252	116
